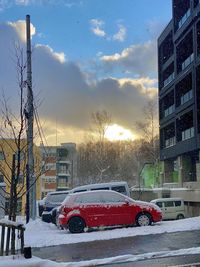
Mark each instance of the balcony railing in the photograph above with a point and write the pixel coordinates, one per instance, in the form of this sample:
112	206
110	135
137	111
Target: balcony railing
184	18
170	142
186	97
169	79
188	61
188	133
169	110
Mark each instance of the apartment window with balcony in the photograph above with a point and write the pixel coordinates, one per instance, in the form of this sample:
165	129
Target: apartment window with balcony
184	18
166	49
185	52
181	11
185	126
188	61
169	110
170	142
168	75
168	136
183	90
169	79
186	97
2	155
188	133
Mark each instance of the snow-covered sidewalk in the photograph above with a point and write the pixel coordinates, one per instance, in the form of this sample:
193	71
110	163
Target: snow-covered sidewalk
40	234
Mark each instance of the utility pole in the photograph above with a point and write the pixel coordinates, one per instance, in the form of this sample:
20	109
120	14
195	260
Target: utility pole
30	160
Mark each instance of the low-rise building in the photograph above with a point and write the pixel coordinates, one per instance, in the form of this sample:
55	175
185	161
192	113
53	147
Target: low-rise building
59	167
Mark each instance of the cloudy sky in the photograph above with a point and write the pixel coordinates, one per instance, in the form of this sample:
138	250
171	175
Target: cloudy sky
88	55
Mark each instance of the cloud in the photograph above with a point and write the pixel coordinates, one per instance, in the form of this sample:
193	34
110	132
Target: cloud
96	27
20	28
140	59
68	96
121	34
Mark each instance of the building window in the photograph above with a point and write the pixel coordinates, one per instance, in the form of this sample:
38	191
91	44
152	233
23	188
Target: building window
62	182
21	179
2	155
188	133
62	168
22	155
186	97
1	178
184	18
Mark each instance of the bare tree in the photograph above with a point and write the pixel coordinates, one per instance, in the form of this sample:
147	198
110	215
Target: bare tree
101	120
148	147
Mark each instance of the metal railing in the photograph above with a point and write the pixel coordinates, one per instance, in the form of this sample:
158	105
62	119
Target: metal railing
9	243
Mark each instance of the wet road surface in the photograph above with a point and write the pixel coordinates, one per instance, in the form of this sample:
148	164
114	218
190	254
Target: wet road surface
122	246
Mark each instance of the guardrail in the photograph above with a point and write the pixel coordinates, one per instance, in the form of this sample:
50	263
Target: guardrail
8	237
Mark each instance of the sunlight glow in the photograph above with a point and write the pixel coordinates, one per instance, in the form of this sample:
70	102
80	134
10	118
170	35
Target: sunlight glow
115	132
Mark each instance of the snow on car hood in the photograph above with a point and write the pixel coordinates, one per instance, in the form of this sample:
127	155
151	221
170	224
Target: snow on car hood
148	205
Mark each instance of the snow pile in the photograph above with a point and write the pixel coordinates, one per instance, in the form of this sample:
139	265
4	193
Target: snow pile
19	261
41	234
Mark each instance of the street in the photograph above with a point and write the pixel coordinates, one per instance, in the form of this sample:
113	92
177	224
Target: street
123	246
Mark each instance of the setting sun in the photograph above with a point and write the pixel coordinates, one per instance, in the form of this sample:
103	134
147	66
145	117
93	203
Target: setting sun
115	132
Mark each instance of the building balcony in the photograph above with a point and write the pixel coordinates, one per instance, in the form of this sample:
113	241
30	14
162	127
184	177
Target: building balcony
169	79
169	110
170	142
187	134
188	61
186	97
184	18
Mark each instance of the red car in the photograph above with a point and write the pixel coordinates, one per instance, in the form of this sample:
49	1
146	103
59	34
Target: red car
105	208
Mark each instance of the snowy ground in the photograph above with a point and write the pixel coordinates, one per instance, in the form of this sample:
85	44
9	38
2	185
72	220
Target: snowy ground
40	234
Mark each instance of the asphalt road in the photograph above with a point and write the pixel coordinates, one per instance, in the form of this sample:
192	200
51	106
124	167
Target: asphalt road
122	246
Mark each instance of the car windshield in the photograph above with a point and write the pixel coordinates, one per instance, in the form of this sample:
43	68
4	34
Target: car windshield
58	198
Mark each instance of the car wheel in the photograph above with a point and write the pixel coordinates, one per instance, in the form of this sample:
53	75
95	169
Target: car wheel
143	219
76	225
180	216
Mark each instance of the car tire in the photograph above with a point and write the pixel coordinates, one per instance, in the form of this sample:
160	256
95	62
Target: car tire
180	216
143	219
76	225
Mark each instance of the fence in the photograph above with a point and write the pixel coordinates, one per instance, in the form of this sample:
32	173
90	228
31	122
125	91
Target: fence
8	230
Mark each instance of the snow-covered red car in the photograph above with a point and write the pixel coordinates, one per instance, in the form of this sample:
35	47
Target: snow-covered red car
105	208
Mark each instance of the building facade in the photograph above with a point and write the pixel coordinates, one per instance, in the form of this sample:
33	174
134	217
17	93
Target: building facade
59	167
179	102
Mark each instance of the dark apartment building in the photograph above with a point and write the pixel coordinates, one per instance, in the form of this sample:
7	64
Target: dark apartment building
179	102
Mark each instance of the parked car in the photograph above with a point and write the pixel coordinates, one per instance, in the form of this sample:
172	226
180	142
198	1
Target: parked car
105	208
53	200
41	206
172	208
121	187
